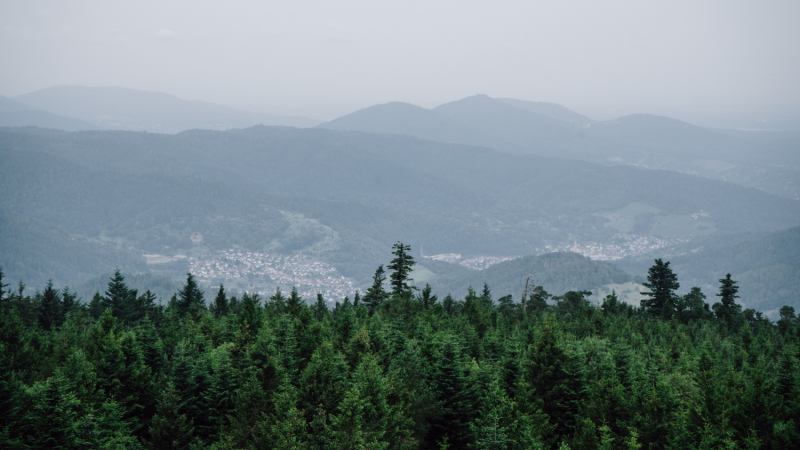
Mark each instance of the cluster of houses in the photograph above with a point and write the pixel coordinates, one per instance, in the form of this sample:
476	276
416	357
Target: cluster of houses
262	273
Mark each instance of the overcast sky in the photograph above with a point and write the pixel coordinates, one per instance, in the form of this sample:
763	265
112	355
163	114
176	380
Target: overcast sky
327	58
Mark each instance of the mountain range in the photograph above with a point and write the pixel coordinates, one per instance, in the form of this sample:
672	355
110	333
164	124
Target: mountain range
117	108
479	176
79	204
767	160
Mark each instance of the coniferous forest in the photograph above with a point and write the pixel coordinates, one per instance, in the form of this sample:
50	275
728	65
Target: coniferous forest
396	368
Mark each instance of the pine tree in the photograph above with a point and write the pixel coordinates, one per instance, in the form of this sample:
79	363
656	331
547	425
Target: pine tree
425	298
97	305
320	308
143	306
152	349
118	298
455	395
277	302
538	299
171	430
294	303
694	306
727	310
449	305
662	284
486	294
375	294
50	307
3	297
787	320
505	305
611	303
551	381
190	298
220	306
250	312
401	267
68	300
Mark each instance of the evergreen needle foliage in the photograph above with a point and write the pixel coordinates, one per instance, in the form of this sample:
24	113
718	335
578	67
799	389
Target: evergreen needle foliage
394	370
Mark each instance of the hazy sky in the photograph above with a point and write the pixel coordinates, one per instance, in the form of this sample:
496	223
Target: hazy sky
326	58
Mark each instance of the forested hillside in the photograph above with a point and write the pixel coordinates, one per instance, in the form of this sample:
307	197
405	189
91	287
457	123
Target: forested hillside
556	272
118	108
396	369
344	197
762	159
767	264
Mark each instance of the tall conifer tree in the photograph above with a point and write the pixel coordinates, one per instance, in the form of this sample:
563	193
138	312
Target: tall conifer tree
401	267
662	284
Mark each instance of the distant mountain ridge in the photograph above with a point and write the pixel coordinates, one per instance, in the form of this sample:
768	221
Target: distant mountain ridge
104	198
547	129
136	110
16	114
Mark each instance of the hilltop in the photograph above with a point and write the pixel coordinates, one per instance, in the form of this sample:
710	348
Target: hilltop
137	110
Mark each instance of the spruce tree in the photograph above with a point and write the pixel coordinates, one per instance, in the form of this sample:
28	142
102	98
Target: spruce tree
68	300
143	305
537	300
3	297
190	297
171	430
426	298
375	294
320	308
401	267
694	306
294	303
119	299
97	306
277	302
455	395
662	284
505	305
50	307
220	305
552	382
250	312
727	310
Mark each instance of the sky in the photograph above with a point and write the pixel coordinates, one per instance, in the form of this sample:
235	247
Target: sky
323	59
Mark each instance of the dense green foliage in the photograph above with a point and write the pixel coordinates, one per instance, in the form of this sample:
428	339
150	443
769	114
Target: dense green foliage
401	373
767	265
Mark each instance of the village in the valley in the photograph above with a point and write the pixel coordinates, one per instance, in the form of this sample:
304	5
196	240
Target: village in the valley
262	273
623	245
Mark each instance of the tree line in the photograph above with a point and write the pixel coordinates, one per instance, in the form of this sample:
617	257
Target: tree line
396	368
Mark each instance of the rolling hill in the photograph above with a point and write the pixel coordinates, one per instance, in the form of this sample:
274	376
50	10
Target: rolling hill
766	265
131	109
640	140
344	197
16	114
556	272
